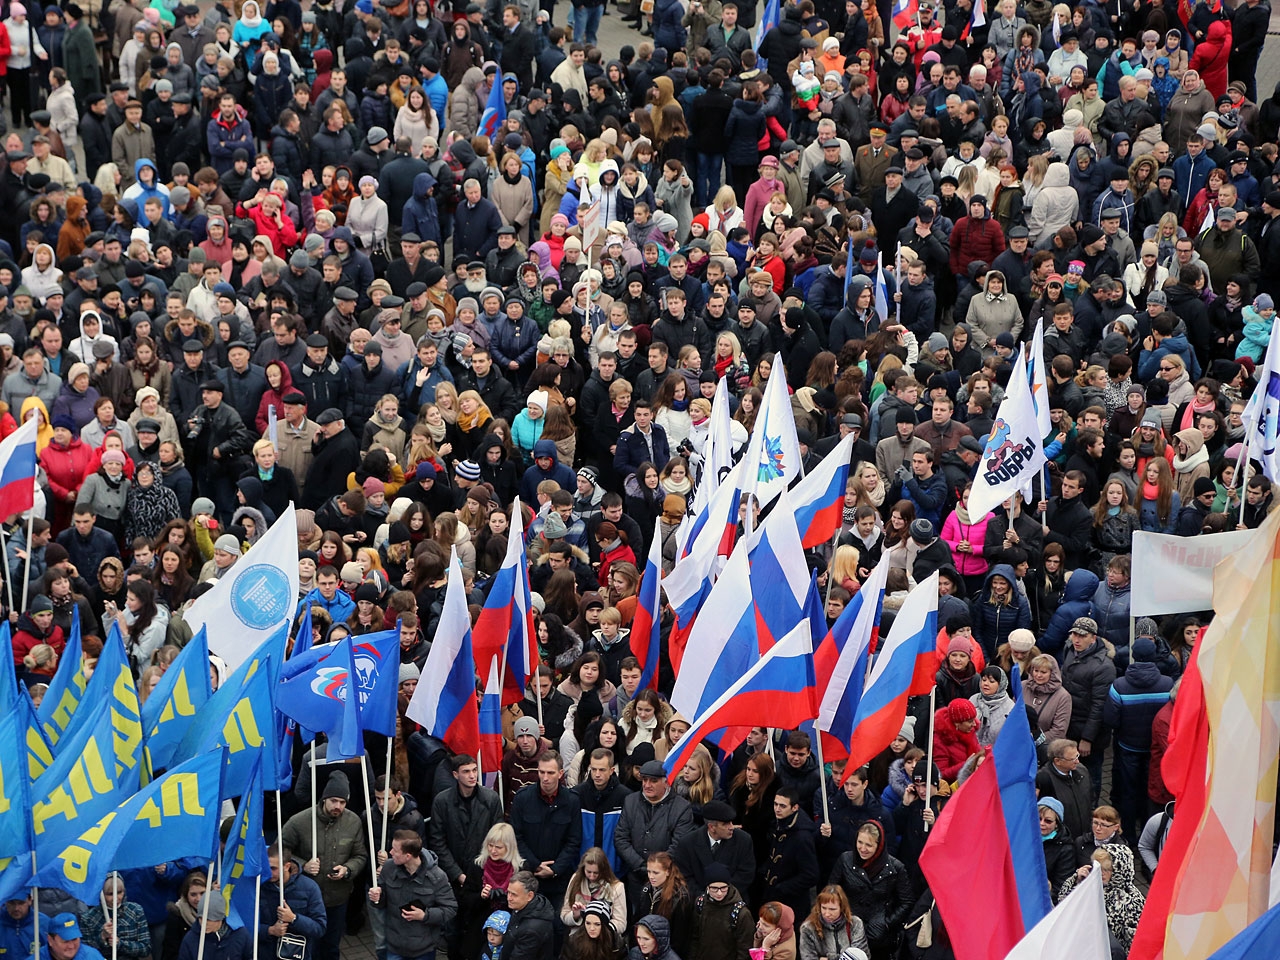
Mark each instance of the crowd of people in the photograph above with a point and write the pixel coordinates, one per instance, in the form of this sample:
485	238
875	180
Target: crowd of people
298	255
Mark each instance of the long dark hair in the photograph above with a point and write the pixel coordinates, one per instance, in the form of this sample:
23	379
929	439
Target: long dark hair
146	596
176	592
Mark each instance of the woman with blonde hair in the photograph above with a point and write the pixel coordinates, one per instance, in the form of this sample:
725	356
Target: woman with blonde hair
474	417
867	487
446	397
967	182
843	569
729	356
485	889
594	880
724	213
697	781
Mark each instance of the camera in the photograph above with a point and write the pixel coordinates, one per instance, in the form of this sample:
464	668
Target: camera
197	426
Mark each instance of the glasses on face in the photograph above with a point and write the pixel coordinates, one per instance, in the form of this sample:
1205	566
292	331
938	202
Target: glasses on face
1102	823
1164	369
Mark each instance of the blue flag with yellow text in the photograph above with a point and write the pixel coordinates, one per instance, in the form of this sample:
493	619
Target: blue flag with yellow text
39	752
15	787
113	680
172	706
177	813
67	687
8	676
244	722
244	859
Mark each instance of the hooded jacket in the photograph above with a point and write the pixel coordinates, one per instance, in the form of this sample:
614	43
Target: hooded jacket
1077	601
427	888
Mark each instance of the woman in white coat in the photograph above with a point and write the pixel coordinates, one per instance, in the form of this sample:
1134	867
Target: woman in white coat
1055	206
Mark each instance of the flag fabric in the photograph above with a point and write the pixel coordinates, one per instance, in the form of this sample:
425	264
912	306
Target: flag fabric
81	784
259	593
39	751
1014	756
1036	375
170	709
112	681
818	499
646	627
904	667
8	673
18	469
348	744
881	298
491	745
717	454
1260	939
316	698
1222	872
244	859
506	622
67	687
768	20
977	18
773	452
841	661
691	580
1262	415
15	787
848	270
240	717
377	662
779	690
905	13
444	702
1014	451
1075	929
176	813
968	841
757	599
495	111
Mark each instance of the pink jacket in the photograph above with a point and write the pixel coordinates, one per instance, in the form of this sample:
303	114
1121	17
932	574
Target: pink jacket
953	531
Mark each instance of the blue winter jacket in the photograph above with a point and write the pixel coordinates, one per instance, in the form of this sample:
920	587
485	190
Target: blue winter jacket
1077	601
993	622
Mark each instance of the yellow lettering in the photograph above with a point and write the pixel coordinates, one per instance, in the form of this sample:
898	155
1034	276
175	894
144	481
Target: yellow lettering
179	795
61	715
241	729
89	777
58	804
38	755
75	858
4	800
179	705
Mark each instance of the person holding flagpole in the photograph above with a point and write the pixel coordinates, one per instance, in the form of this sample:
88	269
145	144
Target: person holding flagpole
300	913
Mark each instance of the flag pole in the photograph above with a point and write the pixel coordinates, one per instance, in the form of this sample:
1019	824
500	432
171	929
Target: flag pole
315	849
537	689
1241	465
257	909
835	540
373	850
928	770
386	788
204	912
822	775
26	571
897	279
35	908
280	840
8	581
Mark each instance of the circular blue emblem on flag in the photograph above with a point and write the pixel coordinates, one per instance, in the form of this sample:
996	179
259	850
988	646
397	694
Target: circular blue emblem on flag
260	596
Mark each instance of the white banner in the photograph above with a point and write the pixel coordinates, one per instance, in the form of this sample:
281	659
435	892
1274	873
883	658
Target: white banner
248	603
1175	574
1014	454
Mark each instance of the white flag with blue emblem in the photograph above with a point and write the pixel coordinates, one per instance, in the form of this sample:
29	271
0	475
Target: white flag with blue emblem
1262	415
254	597
773	447
1014	451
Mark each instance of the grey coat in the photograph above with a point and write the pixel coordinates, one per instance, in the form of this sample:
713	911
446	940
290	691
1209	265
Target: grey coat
646	828
428	888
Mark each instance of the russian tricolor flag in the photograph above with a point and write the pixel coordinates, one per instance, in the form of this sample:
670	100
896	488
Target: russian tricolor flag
490	755
445	701
777	691
977	18
905	13
18	469
819	498
646	628
506	622
996	846
903	668
841	662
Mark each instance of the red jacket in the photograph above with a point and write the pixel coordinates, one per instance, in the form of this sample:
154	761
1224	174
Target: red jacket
283	234
274	396
951	748
616	555
25	641
975	240
66	467
1210	57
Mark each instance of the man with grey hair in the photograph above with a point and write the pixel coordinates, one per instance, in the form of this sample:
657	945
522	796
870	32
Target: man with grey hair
1127	113
1065	779
531	932
813	155
476	223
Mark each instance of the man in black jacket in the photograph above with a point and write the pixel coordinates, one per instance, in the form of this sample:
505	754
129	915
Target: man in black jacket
337	453
1068	521
95	132
548	822
216	440
519	46
601	795
531	932
791	869
720	843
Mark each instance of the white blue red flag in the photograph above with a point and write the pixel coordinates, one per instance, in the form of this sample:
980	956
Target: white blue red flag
490	755
818	499
905	13
646	628
778	690
977	18
506	622
444	702
1262	416
841	661
903	668
18	469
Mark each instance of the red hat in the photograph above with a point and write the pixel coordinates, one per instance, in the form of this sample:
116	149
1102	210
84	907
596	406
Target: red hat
961	710
959	645
703	220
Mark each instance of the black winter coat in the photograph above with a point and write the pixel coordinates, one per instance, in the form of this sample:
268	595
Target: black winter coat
335	457
530	934
458	827
1088	677
790	870
880	901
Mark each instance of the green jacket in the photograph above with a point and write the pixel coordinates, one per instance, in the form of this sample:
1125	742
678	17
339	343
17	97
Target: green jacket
341	842
80	59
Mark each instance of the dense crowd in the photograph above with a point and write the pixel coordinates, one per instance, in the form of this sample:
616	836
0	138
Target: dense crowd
252	258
